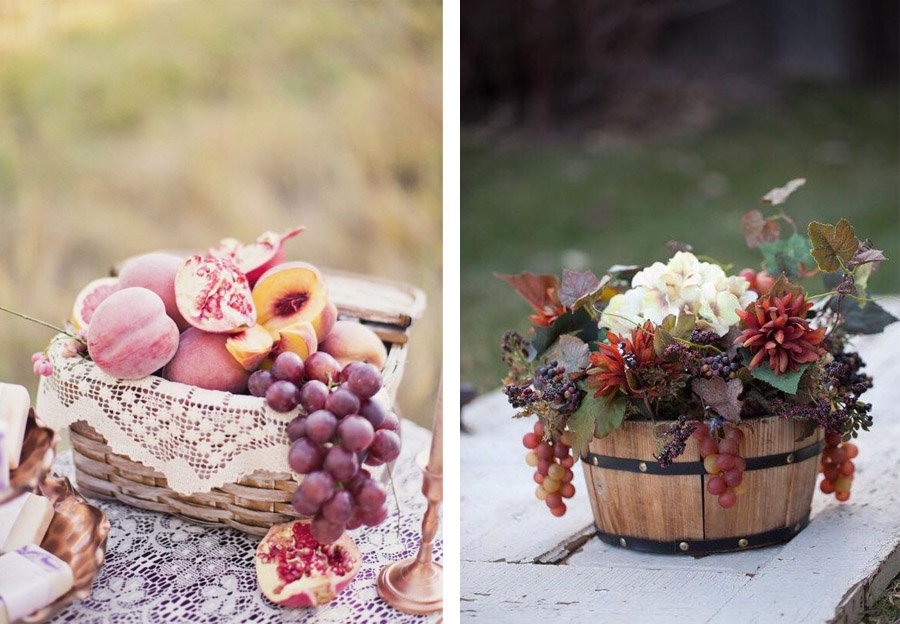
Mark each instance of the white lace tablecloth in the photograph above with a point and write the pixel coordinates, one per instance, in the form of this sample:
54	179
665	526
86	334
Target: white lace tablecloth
162	569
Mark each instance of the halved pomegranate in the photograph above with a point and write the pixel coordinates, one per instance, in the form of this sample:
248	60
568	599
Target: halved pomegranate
294	570
89	298
258	257
213	295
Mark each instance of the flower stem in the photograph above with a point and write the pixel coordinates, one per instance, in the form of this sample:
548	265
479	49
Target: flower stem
40	322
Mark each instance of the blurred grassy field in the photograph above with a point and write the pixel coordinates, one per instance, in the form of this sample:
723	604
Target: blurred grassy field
130	127
543	205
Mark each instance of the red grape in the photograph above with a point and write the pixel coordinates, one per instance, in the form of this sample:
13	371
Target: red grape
716	485
370	494
320	426
364	381
530	440
373	517
544	451
559	511
553	500
385	446
303	505
373	412
391	423
259	382
289	367
734	477
322	367
338	508
317	487
708	446
313	395
729	446
342	402
567	490
341	463
727	500
724	461
356	432
282	396
324	531
296	428
305	456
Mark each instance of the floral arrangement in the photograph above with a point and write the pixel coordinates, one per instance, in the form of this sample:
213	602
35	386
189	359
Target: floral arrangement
698	351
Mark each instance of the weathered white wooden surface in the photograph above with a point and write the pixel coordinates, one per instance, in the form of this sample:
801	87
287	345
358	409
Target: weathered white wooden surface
519	563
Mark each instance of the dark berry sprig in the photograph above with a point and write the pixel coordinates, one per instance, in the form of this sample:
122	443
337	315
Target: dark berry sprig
676	438
720	365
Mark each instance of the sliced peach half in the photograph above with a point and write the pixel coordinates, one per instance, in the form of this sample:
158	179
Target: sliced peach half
299	338
291	293
251	346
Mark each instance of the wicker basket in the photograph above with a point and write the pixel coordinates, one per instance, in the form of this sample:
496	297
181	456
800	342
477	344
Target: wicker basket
259	500
640	505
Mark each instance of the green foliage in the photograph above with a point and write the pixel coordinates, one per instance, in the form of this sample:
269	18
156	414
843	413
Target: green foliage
832	244
595	417
787	255
580	323
786	381
859	318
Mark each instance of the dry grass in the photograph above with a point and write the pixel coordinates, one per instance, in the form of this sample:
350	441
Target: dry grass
172	125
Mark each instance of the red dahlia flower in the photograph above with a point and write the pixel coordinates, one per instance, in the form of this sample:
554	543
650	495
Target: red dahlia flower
776	327
616	366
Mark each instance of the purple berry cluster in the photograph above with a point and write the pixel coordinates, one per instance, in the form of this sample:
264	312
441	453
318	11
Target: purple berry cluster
341	428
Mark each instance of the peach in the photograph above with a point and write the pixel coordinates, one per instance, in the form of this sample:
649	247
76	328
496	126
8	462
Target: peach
130	336
203	360
289	294
299	338
251	346
156	272
350	341
329	318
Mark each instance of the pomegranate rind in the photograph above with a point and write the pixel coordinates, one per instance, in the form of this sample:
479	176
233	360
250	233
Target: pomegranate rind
257	257
89	298
214	296
309	591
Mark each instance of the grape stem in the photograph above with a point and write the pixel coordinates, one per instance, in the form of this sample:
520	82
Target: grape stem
43	323
396	498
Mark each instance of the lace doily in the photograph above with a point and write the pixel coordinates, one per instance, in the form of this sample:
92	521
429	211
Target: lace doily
161	569
199	439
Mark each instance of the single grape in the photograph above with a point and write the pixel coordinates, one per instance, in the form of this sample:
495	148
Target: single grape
727	500
708	446
373	517
567	462
358	479
531	459
282	396
540	493
289	367
543	467
711	464
560	450
842	496
551	484
355	520
341	463
832	473
716	485
553	500
847	468
338	508
371	460
724	461
259	382
317	487
370	494
567	490
320	426
324	531
827	486
852	450
385	445
322	367
568	476
364	381
556	471
539	429
313	395
297	428
373	412
390	423
538	478
733	433
544	451
842	484
305	456
342	402
303	505
559	511
530	441
734	477
356	432
729	446
740	463
833	438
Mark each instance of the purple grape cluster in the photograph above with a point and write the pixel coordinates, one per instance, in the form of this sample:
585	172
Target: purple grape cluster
340	429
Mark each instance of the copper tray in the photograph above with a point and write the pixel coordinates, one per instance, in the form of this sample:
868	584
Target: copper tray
37	458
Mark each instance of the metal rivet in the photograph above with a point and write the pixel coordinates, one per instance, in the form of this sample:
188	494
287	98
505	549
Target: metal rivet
595	461
642	466
683	545
790	458
622	542
743	543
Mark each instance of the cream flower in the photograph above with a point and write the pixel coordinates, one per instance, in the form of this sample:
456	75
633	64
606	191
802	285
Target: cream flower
684	285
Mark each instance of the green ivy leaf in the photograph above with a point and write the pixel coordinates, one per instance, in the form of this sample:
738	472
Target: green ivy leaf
578	323
831	243
786	381
859	319
572	353
595	417
786	255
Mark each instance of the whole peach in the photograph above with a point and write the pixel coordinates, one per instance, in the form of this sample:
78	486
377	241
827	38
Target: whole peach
350	341
130	336
203	360
156	272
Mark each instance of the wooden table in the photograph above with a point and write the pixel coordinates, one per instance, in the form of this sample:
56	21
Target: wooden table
520	564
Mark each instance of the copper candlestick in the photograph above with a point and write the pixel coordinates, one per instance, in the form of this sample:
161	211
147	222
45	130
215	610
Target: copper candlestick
414	585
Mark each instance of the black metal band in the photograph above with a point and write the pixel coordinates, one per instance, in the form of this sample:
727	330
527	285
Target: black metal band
701	547
696	468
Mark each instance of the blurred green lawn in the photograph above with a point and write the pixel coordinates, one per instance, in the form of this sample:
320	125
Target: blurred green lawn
543	205
137	126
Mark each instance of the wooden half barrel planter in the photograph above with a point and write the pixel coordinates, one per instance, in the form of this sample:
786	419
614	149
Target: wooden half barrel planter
643	506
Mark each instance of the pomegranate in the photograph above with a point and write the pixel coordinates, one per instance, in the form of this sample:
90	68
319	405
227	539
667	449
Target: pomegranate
213	295
89	298
294	570
258	257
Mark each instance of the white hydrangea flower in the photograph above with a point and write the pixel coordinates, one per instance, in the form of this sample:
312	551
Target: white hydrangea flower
684	285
